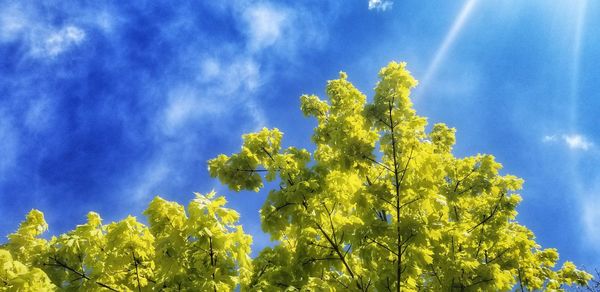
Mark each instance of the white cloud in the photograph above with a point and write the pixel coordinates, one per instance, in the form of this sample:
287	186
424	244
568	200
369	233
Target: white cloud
12	22
283	30
227	75
187	105
266	25
181	107
381	5
573	141
54	42
27	25
226	83
221	86
577	142
104	20
144	188
550	138
210	69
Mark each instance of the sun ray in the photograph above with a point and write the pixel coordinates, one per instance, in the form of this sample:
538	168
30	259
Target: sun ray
442	51
576	64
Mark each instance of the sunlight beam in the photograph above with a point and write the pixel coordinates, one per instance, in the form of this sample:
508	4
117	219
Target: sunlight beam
576	63
440	54
585	196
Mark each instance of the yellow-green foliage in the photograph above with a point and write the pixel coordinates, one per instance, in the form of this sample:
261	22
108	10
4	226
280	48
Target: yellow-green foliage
382	204
200	250
15	276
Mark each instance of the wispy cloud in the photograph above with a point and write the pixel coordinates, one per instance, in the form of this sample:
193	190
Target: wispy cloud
193	112
9	145
42	39
588	197
39	114
229	81
153	101
590	218
228	74
223	84
222	88
12	23
381	5
281	31
55	42
143	188
573	141
266	25
577	142
550	138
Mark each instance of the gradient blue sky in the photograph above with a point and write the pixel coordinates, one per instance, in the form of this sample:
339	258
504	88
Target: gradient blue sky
104	105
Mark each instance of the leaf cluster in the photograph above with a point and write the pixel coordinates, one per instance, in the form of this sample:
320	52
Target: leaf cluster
198	250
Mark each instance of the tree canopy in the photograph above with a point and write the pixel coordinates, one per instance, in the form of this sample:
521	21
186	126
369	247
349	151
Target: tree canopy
381	204
199	250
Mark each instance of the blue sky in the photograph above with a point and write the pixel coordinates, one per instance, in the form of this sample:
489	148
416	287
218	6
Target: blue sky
104	105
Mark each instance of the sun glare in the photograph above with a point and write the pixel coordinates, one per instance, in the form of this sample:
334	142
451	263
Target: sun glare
576	62
451	36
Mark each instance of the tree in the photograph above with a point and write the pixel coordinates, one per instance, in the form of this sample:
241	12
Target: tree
201	250
382	204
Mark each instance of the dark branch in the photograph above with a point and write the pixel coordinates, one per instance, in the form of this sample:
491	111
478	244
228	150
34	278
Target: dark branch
137	273
409	202
252	170
337	250
486	218
58	263
382	245
378	163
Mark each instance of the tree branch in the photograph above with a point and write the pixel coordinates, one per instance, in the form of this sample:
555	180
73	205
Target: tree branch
137	273
63	265
212	262
382	245
436	275
486	218
312	260
251	170
409	202
378	163
499	255
279	208
336	249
